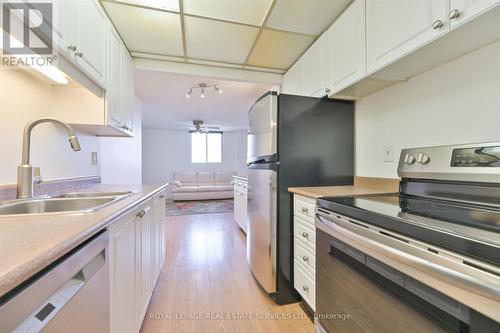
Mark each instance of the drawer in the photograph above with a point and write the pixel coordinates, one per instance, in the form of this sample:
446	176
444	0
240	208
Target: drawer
304	232
304	208
305	256
305	285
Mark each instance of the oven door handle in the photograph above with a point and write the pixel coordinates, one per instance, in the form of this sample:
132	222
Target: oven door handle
453	272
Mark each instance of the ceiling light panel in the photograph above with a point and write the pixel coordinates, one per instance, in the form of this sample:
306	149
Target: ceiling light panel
278	49
308	17
172	5
218	41
243	11
147	30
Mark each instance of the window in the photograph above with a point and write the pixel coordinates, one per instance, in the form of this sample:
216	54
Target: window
206	147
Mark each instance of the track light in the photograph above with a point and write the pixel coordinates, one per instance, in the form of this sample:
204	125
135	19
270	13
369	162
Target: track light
202	86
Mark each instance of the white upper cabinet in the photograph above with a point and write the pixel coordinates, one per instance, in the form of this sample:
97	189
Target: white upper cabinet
315	69
91	41
114	92
462	11
396	28
80	30
292	80
347	50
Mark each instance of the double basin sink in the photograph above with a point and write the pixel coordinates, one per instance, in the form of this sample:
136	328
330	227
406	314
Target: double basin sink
67	202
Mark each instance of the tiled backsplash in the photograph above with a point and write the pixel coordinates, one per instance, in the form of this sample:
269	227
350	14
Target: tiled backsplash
8	192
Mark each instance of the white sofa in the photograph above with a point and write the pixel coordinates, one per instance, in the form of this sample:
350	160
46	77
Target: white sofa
202	185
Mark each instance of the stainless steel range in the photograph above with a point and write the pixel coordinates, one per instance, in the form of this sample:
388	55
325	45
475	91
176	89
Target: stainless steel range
426	259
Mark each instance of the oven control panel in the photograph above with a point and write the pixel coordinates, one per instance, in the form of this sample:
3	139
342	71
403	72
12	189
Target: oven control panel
474	162
485	157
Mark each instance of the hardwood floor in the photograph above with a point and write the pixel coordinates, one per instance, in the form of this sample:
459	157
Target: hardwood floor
206	286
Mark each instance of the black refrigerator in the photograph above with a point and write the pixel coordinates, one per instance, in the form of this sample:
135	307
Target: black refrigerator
292	141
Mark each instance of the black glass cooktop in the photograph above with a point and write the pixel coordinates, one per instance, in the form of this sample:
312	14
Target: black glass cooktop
435	221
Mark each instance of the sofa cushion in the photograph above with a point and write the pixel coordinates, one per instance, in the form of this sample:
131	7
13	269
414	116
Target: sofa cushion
205	178
185	189
207	188
223	177
186	178
224	188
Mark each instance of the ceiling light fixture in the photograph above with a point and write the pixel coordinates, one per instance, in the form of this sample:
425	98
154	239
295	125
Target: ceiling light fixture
203	86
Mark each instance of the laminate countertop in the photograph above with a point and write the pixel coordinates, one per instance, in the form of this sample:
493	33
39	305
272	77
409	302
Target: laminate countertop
29	243
362	185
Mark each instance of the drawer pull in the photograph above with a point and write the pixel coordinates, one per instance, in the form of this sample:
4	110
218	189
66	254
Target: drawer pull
305	288
305	235
305	258
305	210
141	213
162	196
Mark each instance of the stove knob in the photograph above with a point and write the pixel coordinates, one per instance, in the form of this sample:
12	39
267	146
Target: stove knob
424	158
409	159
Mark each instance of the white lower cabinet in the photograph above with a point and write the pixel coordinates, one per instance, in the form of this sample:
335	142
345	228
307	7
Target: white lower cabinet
304	248
137	252
240	202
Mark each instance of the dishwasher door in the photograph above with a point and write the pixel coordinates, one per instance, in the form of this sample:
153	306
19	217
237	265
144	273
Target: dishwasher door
72	296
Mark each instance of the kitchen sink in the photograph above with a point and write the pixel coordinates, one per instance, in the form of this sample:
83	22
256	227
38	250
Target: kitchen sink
55	205
92	194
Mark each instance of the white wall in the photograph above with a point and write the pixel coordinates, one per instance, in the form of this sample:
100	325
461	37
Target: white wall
121	158
458	102
23	98
166	151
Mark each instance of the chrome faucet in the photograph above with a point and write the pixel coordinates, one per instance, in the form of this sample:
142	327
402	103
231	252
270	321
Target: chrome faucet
25	172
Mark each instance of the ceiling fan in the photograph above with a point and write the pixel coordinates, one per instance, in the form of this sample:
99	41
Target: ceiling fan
199	127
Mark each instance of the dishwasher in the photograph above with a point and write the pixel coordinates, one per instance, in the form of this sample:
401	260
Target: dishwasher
71	295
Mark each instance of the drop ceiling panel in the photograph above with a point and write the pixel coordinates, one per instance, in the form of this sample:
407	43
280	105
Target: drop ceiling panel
172	5
146	30
218	41
278	49
308	17
243	11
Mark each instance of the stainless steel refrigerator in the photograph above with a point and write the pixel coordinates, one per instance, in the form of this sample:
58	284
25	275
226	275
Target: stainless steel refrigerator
292	141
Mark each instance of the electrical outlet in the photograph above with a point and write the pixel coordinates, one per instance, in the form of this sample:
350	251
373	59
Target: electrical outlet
94	158
388	153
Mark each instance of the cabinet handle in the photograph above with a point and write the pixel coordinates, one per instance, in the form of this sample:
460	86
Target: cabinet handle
305	210
305	258
438	24
72	47
327	90
455	13
141	213
305	288
162	196
79	54
305	235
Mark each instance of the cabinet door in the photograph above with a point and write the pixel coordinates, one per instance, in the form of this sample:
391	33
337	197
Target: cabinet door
396	28
128	91
312	74
347	48
66	12
123	275
115	81
91	38
468	9
144	284
292	79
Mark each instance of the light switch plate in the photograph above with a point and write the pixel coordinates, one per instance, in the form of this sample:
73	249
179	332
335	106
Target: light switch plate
94	158
388	153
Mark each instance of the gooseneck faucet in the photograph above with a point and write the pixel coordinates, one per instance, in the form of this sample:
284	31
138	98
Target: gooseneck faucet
25	172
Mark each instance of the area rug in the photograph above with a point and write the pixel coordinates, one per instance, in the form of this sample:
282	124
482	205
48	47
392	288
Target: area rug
177	208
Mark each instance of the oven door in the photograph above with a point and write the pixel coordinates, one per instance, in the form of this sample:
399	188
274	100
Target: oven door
358	293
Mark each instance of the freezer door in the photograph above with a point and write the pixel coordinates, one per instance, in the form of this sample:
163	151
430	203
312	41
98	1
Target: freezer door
262	129
261	233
